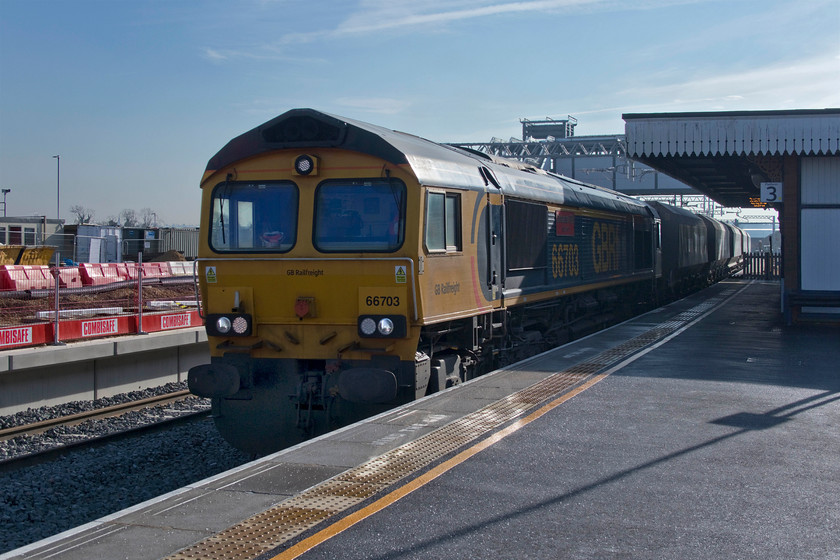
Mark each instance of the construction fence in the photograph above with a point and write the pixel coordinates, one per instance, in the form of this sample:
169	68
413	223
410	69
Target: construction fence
41	304
763	265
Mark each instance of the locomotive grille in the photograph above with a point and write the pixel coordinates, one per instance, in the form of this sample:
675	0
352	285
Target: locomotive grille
285	521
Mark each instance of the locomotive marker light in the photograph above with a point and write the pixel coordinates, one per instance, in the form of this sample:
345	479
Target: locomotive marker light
379	326
240	325
306	165
367	326
229	324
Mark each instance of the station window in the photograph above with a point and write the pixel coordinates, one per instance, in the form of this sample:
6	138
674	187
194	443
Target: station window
443	221
15	235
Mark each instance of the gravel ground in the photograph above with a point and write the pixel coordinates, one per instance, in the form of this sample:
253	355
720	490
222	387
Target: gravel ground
42	500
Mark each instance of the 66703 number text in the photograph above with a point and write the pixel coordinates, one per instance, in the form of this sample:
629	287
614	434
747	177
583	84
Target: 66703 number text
382	301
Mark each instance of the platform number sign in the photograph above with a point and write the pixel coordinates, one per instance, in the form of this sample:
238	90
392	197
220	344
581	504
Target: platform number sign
771	192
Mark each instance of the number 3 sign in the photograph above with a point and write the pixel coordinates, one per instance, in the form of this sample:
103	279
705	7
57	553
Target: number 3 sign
771	192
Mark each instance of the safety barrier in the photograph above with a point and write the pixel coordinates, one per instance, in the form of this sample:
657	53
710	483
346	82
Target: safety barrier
180	268
26	277
156	270
97	274
766	266
69	277
19	278
34	312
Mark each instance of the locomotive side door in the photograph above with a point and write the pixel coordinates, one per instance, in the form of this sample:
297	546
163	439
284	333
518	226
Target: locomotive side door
495	243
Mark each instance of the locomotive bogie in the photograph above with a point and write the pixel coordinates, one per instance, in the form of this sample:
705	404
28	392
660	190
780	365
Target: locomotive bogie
282	402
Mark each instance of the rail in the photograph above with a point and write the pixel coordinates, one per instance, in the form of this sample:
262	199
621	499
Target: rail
105	412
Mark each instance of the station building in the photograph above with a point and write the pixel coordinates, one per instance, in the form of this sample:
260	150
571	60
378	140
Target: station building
787	160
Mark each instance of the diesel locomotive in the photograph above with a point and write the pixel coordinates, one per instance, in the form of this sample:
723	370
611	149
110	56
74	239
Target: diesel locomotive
345	268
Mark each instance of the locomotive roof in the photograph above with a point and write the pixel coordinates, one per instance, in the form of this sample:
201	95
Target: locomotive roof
677	215
432	163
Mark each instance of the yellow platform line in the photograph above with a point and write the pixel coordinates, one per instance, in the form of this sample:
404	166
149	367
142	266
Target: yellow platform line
701	311
260	534
406	489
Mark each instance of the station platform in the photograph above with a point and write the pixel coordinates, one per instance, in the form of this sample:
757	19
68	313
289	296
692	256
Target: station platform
704	429
92	369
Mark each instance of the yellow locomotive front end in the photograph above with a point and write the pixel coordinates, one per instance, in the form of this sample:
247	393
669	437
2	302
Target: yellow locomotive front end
306	276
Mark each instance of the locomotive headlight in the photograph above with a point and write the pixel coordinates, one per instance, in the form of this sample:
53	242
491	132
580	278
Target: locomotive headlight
228	324
306	165
385	326
223	325
381	326
367	326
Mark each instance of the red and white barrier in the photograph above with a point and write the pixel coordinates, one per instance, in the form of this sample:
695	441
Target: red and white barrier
181	268
25	277
40	277
155	270
97	274
69	277
72	324
84	329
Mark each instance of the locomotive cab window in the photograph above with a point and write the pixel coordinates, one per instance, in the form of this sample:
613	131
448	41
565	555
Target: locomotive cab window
359	216
443	222
254	217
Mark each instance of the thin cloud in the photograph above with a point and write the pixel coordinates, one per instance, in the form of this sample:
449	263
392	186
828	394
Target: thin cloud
258	53
367	22
388	15
385	14
808	83
213	54
777	86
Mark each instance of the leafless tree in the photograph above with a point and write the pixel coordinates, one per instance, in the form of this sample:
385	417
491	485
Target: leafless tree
148	218
83	215
128	218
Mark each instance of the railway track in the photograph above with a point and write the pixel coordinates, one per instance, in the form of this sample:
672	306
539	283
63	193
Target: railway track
56	436
50	492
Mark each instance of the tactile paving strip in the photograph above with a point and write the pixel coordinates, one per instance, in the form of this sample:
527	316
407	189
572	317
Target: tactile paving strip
285	521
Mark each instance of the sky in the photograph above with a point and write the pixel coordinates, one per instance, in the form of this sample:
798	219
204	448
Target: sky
136	96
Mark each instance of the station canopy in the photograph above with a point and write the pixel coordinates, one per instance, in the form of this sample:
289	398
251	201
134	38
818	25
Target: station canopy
727	155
